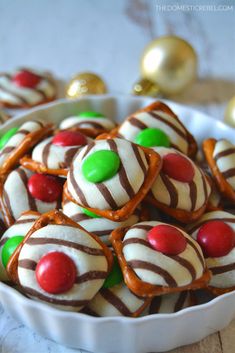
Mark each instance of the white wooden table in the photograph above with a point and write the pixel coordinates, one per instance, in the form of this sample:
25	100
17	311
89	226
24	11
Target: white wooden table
108	37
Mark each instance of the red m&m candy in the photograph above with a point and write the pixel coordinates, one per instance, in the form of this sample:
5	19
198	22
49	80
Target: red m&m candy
178	167
46	188
69	138
26	78
56	272
167	239
216	238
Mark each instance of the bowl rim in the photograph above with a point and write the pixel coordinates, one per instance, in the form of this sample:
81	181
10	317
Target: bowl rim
77	315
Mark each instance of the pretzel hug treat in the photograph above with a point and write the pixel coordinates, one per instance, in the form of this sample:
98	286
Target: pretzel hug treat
54	154
25	88
215	232
220	155
59	263
158	258
90	123
12	237
181	189
111	177
23	190
17	141
157	125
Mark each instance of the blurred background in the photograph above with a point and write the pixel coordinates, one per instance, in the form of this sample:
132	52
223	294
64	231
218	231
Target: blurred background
106	37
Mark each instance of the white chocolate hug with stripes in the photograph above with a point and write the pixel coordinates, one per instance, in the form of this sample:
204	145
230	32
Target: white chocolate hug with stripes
99	226
54	156
116	191
87	123
115	301
18	198
85	252
181	195
17	95
172	127
20	227
222	268
156	268
224	156
25	129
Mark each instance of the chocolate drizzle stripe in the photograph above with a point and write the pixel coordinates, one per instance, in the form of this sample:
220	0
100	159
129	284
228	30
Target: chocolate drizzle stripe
90	312
17	95
41	92
201	259
137	123
172	191
90	276
7	149
186	264
122	172
229	173
221	269
115	301
170	124
8	204
22	132
155	305
204	184
89	147
27	264
138	264
176	147
224	153
142	226
27	220
139	158
69	156
79	217
137	241
24	178
45	153
180	301
3	241
107	195
77	188
199	224
34	293
193	194
101	233
70	244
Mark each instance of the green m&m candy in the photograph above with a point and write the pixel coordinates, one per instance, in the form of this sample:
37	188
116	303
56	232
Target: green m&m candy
9	247
90	114
100	166
6	137
152	137
89	213
115	277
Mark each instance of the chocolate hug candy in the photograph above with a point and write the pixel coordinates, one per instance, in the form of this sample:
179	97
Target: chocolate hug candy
111	177
12	237
158	258
115	299
215	232
54	154
181	189
220	155
157	125
90	122
59	263
26	88
17	141
36	192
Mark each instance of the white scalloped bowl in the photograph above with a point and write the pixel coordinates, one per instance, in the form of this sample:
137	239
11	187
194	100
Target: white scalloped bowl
155	333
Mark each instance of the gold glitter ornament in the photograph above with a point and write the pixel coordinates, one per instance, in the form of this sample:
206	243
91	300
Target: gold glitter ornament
170	62
229	116
85	83
145	87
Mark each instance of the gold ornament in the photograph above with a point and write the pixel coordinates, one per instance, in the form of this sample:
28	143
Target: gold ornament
145	87
229	116
85	83
170	62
